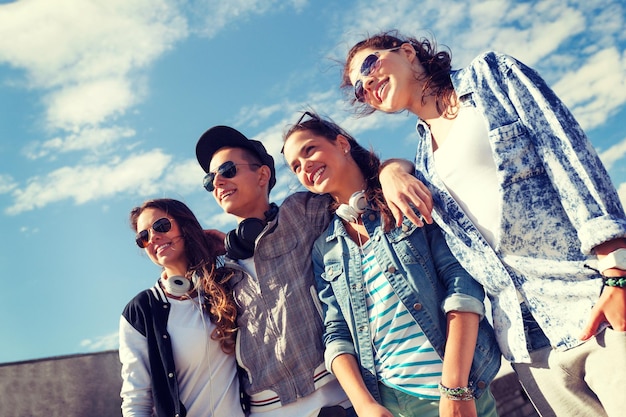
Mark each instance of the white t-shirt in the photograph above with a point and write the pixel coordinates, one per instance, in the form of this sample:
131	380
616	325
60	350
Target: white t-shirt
206	375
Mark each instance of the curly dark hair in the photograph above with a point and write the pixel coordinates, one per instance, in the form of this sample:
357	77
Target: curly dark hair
201	251
437	66
367	161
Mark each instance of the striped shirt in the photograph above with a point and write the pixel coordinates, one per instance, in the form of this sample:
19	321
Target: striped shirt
404	358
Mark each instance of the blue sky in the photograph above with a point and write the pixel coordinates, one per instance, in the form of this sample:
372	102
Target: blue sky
102	102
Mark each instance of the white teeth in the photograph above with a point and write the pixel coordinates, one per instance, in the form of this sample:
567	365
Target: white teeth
161	247
226	194
318	173
379	92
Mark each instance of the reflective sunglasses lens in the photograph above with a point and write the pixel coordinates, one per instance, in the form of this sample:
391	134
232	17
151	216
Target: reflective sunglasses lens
227	170
162	225
358	91
368	64
208	182
142	239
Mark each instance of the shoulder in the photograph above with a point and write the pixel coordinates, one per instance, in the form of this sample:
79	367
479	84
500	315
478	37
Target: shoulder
490	61
140	304
305	201
490	65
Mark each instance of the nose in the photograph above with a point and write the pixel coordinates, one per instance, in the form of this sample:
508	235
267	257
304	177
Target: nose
218	180
368	82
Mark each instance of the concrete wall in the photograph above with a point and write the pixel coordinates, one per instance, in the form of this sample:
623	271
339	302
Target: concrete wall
68	386
89	385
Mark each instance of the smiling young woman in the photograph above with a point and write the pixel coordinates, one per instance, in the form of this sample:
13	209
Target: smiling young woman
525	205
182	328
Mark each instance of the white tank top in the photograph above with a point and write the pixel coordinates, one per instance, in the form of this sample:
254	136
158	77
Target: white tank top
465	164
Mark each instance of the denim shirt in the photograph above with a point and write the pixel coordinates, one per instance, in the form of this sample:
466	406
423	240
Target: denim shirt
557	203
279	341
423	273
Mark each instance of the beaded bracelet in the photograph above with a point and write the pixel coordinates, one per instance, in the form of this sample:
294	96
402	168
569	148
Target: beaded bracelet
457	394
615	282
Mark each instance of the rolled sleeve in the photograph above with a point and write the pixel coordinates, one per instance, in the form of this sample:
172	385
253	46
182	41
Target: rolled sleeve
463	303
336	348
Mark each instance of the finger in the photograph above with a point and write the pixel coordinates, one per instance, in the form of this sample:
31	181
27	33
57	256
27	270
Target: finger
592	326
426	206
396	212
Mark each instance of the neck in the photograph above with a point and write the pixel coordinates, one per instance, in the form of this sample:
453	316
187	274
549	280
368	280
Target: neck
254	212
354	181
171	271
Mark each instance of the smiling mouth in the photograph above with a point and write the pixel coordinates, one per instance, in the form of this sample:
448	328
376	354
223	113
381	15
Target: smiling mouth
317	174
162	247
226	194
379	90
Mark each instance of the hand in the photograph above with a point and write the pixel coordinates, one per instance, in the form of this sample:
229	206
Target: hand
611	308
451	408
403	192
215	240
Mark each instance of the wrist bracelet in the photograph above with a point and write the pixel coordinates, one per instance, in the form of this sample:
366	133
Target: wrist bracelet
457	394
615	282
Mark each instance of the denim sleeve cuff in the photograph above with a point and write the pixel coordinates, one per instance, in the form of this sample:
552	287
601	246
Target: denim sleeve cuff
336	348
600	230
463	303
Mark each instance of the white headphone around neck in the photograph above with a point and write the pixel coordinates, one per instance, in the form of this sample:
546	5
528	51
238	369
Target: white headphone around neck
356	206
178	285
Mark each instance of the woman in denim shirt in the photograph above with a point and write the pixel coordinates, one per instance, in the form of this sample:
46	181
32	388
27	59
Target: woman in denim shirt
525	205
394	298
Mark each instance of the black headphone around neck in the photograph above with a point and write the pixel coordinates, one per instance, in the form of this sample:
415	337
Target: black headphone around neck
240	242
356	206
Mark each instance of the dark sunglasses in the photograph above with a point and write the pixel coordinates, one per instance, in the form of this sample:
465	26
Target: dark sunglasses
227	170
368	65
163	225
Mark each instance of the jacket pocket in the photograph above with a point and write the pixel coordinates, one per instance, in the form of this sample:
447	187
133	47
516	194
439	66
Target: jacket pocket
514	153
332	272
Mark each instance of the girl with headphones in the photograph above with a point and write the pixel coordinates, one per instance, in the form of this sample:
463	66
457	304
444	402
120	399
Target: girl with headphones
177	338
405	332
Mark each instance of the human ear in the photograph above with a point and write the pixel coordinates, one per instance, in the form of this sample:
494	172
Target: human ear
343	143
264	174
408	51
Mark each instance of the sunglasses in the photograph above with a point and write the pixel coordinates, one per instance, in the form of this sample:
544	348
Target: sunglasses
367	67
227	170
163	225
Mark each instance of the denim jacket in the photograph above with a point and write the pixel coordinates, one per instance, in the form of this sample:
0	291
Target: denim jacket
424	274
557	202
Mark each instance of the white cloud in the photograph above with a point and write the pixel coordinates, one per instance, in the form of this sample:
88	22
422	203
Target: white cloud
100	343
613	154
592	92
138	174
183	176
90	102
216	15
84	54
7	183
99	140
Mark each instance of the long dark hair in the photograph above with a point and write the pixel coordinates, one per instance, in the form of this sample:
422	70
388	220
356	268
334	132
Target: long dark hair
367	161
437	66
201	251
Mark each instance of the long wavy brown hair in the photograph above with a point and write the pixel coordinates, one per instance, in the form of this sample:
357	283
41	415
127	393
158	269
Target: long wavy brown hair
201	251
367	161
437	66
